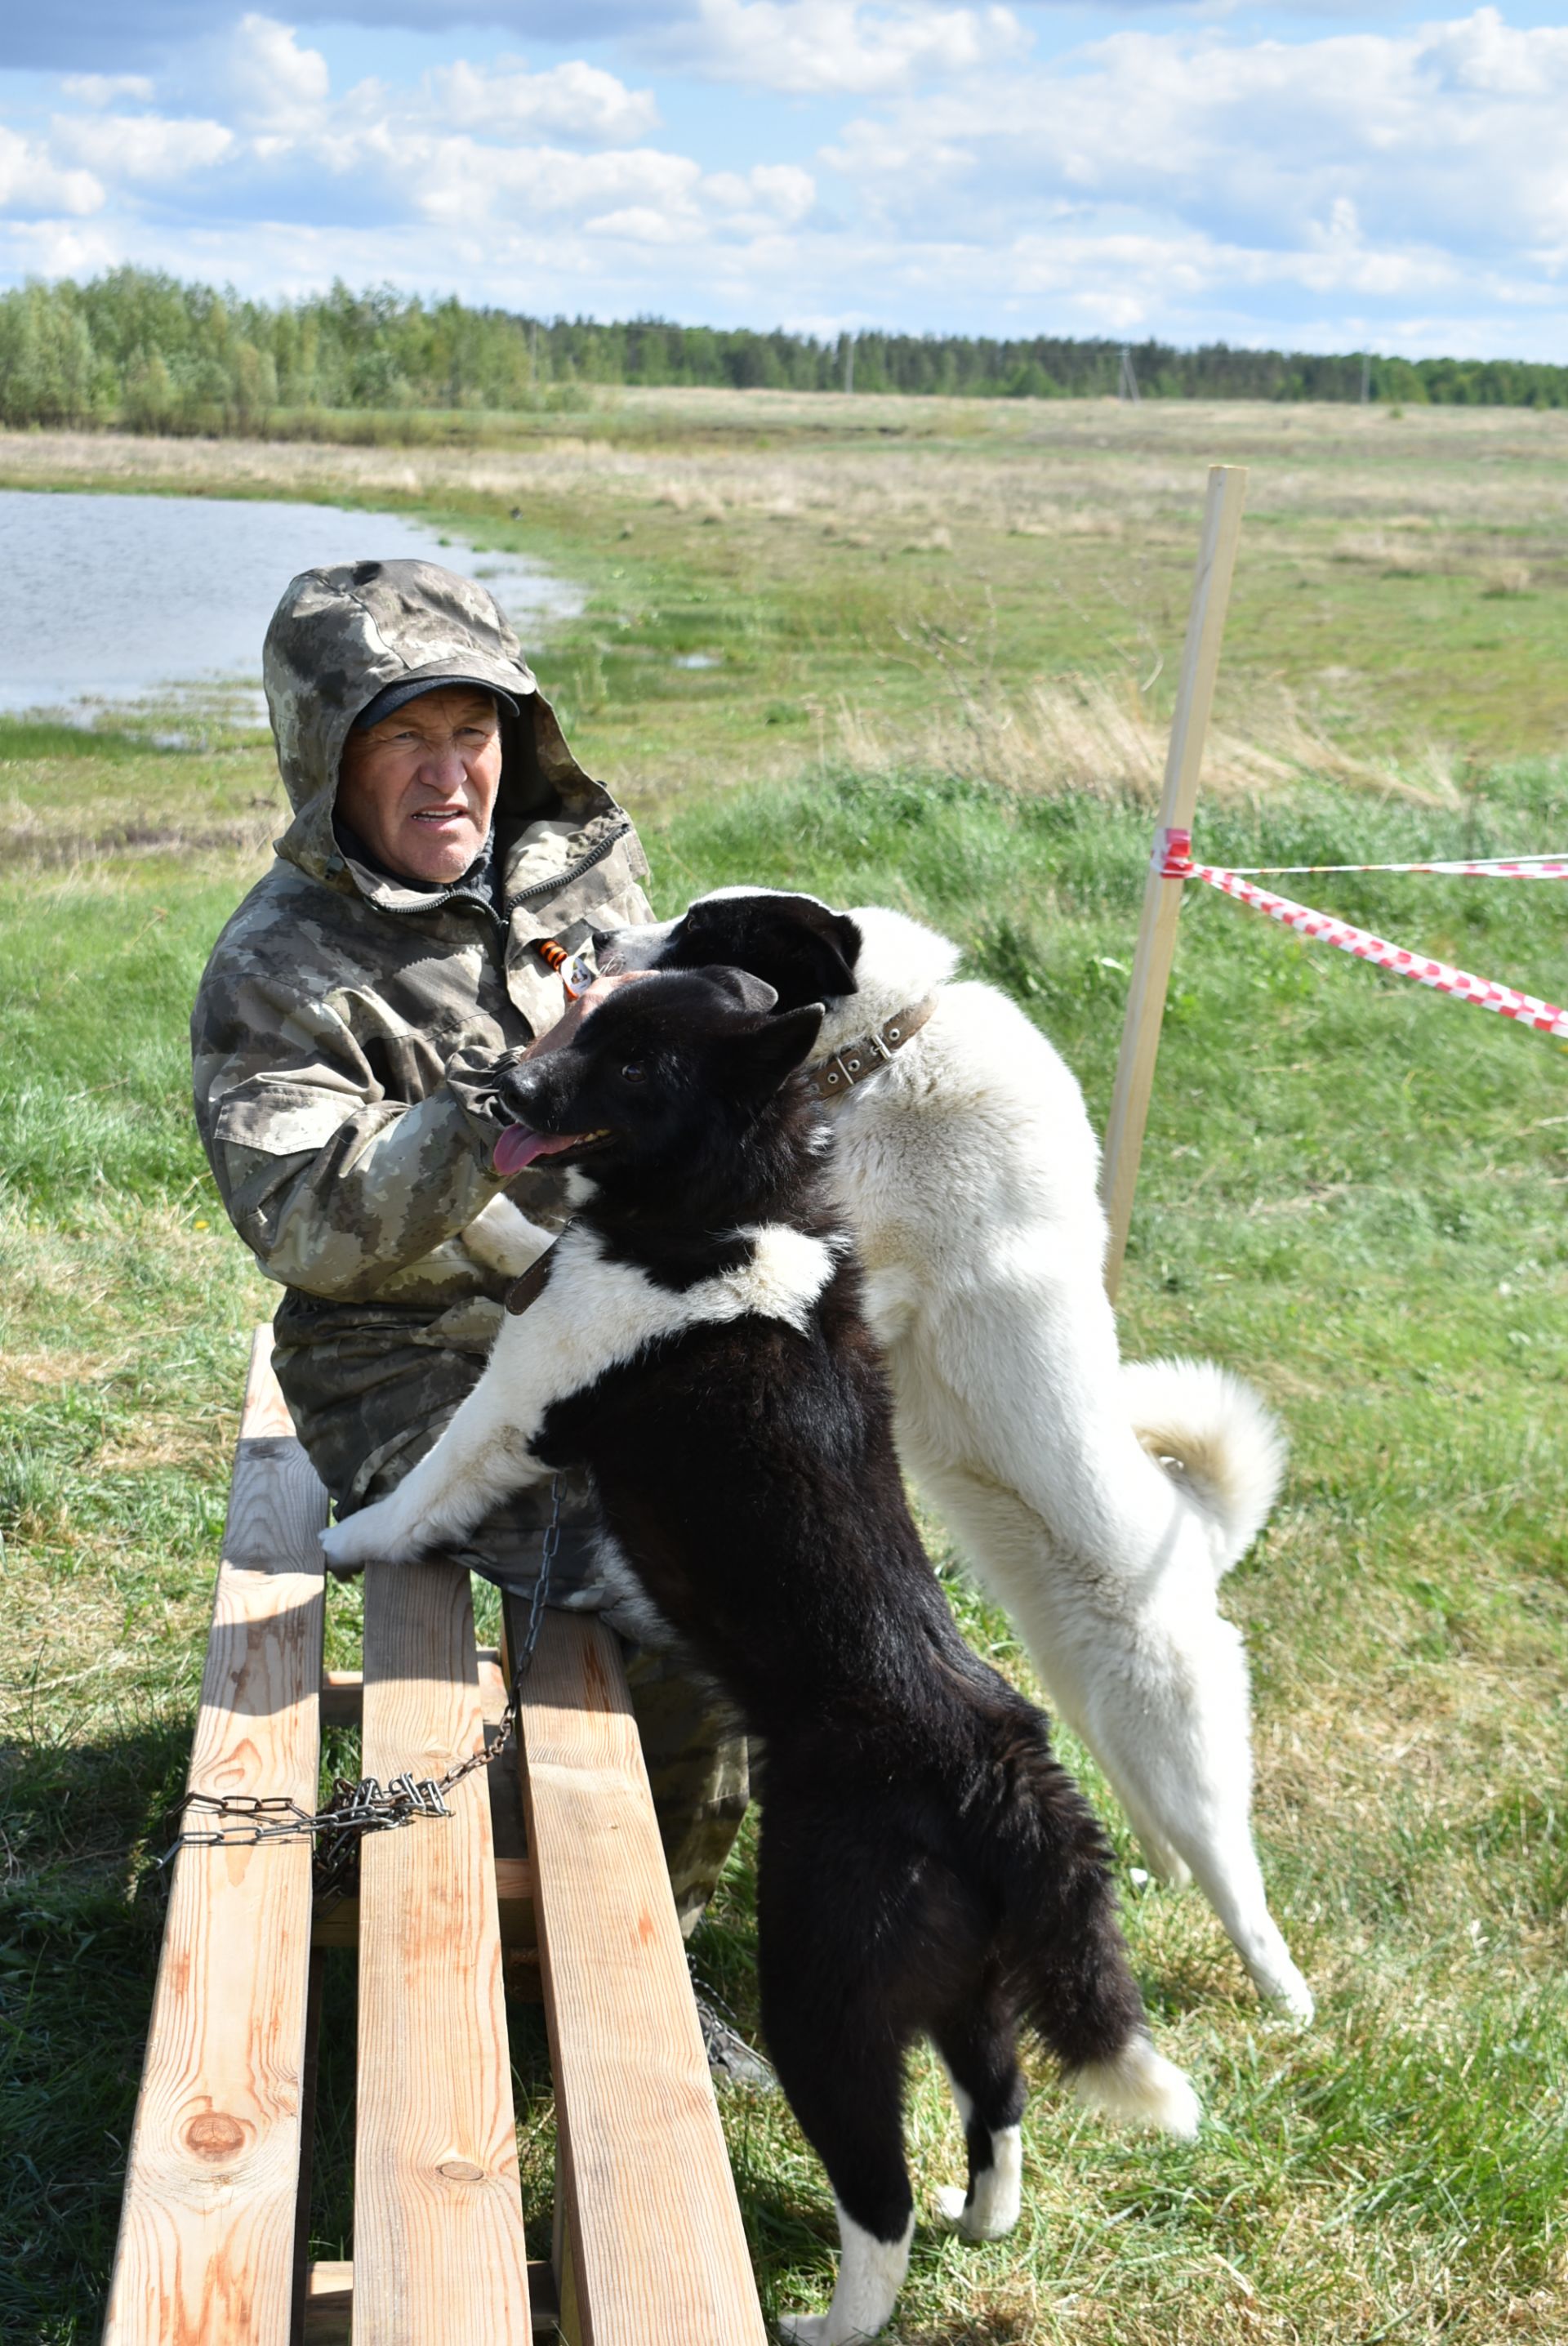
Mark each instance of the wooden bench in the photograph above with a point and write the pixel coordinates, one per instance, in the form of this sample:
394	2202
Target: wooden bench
649	2248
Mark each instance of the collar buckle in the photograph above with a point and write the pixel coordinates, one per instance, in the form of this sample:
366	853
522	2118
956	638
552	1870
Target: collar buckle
868	1053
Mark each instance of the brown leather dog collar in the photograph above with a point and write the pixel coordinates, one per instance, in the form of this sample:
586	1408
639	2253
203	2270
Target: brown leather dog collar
531	1286
862	1057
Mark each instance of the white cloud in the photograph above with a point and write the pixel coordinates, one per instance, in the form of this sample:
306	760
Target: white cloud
1269	136
771	194
571	100
1485	54
270	76
641	224
840	46
142	146
102	90
30	181
458	179
58	248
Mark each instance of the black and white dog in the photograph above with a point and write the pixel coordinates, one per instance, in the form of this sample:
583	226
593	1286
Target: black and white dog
927	1867
1101	1502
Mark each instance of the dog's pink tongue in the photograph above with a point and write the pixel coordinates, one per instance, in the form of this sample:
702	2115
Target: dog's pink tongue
518	1146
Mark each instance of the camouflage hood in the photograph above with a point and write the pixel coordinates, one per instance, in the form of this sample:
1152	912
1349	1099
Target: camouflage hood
341	635
350	1024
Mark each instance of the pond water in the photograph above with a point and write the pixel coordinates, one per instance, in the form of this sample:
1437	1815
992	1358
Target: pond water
106	601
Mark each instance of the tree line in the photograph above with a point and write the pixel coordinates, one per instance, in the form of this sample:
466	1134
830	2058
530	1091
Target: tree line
141	350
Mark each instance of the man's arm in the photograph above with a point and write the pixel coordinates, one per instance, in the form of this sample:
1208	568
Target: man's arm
335	1187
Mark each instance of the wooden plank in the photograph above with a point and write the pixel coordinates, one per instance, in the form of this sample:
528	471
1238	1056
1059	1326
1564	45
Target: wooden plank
343	1697
658	2250
1161	898
205	2247
438	2212
307	2142
330	2303
329	2307
338	1925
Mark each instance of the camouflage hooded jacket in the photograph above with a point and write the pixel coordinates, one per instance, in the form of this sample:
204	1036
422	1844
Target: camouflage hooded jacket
347	1025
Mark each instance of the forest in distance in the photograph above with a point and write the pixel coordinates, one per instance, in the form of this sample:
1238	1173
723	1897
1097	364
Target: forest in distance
141	351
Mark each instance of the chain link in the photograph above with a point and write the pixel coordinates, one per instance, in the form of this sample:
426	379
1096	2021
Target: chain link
366	1806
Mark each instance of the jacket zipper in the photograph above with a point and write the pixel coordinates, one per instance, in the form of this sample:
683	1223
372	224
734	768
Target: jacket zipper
573	871
540	888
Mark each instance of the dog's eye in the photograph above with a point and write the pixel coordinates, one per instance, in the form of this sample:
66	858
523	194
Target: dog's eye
632	1073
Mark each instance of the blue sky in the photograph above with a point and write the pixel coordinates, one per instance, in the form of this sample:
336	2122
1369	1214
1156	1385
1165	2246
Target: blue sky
1319	175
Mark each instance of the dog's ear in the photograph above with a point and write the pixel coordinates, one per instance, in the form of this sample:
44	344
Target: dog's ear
767	1057
746	992
817	947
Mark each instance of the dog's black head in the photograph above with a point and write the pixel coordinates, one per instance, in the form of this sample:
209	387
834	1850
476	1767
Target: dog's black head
799	947
663	1082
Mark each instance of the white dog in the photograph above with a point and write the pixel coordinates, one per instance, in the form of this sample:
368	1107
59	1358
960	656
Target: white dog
1100	1504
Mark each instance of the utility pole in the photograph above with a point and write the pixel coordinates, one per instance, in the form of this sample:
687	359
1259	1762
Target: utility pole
849	362
533	354
1365	376
1128	381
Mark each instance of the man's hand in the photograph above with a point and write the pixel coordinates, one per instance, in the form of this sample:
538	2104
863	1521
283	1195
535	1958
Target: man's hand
557	1037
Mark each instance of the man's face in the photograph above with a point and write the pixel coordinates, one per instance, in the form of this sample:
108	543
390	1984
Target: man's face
420	787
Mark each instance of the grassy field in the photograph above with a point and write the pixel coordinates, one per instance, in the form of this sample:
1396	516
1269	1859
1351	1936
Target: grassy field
942	643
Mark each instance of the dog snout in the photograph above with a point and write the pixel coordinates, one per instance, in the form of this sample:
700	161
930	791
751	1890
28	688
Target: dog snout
517	1092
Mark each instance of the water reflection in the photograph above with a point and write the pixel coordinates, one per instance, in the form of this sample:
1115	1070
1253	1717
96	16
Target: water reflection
106	601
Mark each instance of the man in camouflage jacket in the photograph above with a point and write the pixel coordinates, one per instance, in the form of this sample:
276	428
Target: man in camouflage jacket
345	1037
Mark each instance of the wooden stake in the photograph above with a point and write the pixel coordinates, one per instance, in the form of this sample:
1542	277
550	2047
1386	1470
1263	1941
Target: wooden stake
1162	897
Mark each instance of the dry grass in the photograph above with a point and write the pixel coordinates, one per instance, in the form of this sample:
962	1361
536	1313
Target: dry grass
1100	735
1071	468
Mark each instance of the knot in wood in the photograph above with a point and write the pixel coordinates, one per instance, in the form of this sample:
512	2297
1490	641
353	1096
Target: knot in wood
215	2135
461	2170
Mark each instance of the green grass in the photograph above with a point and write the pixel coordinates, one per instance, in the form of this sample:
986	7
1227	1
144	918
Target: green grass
1352	1191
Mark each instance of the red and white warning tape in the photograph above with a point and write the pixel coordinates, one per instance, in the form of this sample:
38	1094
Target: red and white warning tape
1479	867
1173	860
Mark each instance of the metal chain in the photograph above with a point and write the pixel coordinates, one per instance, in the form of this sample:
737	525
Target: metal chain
367	1806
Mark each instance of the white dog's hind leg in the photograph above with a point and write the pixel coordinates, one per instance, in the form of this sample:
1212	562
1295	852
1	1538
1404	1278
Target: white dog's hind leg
479	1459
870	2274
1168	1721
1155	1684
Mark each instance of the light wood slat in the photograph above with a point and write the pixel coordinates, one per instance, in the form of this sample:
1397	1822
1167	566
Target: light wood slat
330	2302
312	2078
438	2214
343	1697
658	2251
206	2248
337	1925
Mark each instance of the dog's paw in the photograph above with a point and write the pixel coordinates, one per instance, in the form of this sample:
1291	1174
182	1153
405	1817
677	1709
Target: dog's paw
805	2329
372	1536
1289	1994
989	2209
503	1239
953	2201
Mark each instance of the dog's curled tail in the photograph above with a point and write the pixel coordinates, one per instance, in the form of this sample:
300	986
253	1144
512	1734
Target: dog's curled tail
1068	1959
1216	1441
